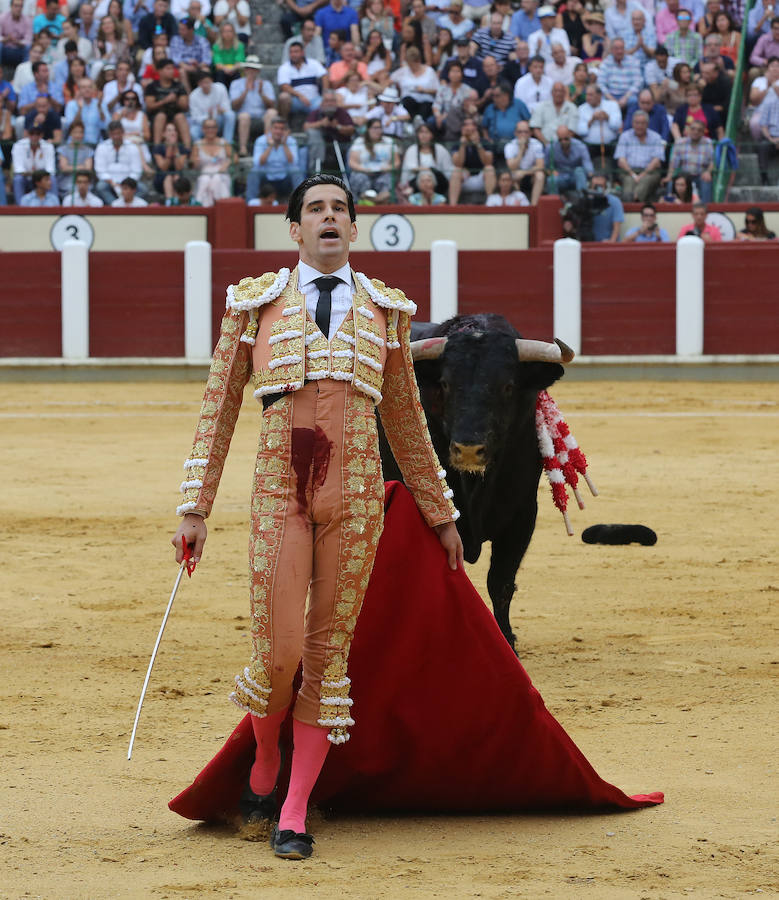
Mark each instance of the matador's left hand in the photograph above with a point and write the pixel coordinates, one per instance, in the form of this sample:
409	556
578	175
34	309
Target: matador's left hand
450	541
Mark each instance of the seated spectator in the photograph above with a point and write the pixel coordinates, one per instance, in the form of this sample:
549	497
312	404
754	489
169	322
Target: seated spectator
477	11
124	27
87	22
228	54
569	163
767	46
40	86
80	193
295	12
680	190
300	83
47	41
518	63
619	76
768	146
525	20
535	87
333	48
170	158
152	59
135	122
729	35
455	22
64	73
109	46
254	99
754	227
378	17
492	81
51	19
505	194
159	20
28	155
594	40
761	87
267	196
70	44
473	69
716	88
113	92
209	100
658	117
236	13
425	155
618	19
577	89
600	122
41	193
700	227
355	98
640	41
659	73
128	195
571	20
561	67
552	113
426	194
394	117
705	23
412	36
712	52
451	95
167	101
15	35
648	232
6	132
675	93
182	193
525	160
191	53
337	16
473	162
74	156
417	83
540	42
86	109
501	116
115	159
329	131
374	163
640	155
276	161
606	222
313	48
348	63
211	158
684	43
377	59
693	109
44	117
494	40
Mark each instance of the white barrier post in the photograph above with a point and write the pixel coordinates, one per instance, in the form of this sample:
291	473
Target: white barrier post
568	292
689	296
75	300
443	280
197	301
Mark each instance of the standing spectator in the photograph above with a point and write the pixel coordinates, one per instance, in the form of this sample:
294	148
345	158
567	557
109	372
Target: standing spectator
211	158
693	109
276	161
502	115
51	19
694	154
619	76
153	23
128	195
426	194
191	53
170	159
29	155
684	43
426	155
561	67
313	48
648	232
494	40
417	83
86	109
594	41
348	63
768	147
473	161
300	83
600	122
640	155
535	87
451	95
552	113
44	117
640	41
394	117
658	72
455	22
540	42
115	159
525	160
658	116
80	194
73	156
337	16
295	13
568	161
254	99
167	101
210	101
525	20
699	227
618	18
505	194
767	46
15	35
606	222
329	130
236	13
374	163
228	54
41	193
754	227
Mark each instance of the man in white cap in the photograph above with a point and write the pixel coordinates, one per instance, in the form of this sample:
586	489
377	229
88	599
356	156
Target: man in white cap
540	42
394	116
254	100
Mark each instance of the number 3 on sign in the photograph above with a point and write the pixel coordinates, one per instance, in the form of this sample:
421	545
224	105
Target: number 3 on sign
392	232
71	228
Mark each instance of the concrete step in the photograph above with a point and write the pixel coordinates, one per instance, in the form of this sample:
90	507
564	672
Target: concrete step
753	194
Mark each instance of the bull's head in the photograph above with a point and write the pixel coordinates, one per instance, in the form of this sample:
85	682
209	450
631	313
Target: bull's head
485	386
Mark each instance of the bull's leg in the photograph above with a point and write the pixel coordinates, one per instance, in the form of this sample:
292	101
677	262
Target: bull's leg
507	553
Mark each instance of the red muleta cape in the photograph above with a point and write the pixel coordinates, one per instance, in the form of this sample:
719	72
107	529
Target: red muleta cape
447	718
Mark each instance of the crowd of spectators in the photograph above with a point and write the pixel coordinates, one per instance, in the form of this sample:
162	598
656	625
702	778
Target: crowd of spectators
123	102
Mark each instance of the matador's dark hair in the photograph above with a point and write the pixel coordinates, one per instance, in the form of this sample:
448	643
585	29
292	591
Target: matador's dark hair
295	205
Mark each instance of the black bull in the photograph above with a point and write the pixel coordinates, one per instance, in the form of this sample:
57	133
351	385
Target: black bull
480	400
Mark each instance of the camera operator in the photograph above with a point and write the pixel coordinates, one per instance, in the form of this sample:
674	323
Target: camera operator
595	215
648	232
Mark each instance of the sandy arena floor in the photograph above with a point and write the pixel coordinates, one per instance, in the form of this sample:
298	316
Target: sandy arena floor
660	662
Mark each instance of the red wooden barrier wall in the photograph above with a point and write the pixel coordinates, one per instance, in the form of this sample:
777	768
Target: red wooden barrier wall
30	317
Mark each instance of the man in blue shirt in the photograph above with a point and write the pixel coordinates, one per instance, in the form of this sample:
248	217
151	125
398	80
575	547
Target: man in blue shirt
648	232
51	19
41	193
658	117
85	108
606	222
569	161
525	20
276	160
337	16
501	116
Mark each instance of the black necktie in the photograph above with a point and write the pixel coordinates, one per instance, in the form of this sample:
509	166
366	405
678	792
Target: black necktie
325	283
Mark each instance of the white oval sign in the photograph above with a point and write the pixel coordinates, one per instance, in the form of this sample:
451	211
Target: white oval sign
71	228
392	232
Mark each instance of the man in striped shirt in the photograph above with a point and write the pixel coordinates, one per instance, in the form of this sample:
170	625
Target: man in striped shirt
639	155
694	154
685	43
494	41
619	76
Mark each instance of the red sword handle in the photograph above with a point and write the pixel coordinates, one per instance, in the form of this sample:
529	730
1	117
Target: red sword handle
188	562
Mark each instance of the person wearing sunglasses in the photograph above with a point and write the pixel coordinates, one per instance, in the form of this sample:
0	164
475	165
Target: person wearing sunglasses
685	43
754	227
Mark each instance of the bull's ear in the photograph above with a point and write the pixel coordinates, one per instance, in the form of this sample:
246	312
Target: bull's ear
539	375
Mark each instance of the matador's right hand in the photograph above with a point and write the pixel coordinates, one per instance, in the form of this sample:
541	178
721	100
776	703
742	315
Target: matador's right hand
193	530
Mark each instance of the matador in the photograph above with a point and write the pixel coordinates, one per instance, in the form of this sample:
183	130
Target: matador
323	346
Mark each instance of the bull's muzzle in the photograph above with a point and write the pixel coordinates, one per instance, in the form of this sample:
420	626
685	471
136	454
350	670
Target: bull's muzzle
468	457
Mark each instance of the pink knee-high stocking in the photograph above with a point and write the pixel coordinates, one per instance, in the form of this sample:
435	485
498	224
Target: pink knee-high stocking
267	758
308	757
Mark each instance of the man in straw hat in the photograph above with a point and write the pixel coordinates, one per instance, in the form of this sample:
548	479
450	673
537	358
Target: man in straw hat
254	100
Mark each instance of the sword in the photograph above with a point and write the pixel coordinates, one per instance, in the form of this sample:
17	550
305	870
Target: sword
186	565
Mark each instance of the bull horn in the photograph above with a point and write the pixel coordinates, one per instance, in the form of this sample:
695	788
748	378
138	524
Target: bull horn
430	348
541	351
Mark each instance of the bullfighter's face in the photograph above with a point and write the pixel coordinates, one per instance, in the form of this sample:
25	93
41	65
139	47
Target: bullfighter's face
325	229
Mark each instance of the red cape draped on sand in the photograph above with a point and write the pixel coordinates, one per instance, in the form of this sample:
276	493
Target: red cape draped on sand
447	718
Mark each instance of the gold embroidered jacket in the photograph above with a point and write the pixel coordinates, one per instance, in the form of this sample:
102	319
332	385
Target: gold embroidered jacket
267	336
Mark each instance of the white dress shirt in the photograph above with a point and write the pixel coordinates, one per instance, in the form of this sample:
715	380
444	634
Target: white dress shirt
340	297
